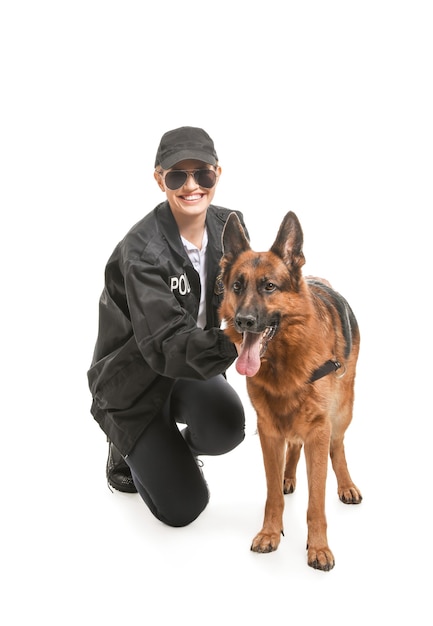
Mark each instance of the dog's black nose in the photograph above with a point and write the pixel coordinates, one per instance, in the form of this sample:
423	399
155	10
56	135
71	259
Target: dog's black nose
246	322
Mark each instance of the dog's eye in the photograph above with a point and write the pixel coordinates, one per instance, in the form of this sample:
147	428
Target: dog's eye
270	286
236	286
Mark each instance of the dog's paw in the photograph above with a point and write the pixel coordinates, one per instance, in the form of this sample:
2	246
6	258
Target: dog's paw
350	495
321	559
289	485
265	542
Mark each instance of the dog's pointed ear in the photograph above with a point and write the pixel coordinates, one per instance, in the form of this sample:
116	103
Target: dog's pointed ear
234	240
289	241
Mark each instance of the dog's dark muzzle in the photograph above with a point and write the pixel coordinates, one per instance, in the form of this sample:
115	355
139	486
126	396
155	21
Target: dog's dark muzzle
247	323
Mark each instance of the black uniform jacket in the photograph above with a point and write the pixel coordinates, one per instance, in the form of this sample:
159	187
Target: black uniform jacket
148	335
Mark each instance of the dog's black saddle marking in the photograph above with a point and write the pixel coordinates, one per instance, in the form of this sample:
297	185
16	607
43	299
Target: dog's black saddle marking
345	313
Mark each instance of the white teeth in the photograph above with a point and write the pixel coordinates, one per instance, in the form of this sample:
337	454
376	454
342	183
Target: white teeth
195	197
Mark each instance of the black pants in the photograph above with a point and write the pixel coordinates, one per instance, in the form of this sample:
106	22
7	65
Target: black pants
163	461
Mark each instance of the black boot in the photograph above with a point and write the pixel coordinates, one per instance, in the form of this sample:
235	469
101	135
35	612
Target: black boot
118	472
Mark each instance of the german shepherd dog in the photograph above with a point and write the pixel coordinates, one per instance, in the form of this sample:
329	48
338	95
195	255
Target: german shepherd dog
298	343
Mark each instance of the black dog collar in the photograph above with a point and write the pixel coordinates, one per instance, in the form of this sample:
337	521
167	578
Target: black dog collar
323	370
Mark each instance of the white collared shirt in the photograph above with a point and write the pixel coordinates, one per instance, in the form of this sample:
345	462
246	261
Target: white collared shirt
198	259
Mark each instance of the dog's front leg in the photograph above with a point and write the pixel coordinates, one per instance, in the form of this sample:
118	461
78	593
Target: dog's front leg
273	449
316	455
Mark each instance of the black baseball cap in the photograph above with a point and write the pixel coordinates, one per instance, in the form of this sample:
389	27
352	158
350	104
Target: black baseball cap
186	142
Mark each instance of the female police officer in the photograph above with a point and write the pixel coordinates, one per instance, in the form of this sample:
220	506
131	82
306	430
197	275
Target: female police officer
160	355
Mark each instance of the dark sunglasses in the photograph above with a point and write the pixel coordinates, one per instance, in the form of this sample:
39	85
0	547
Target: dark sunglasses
174	179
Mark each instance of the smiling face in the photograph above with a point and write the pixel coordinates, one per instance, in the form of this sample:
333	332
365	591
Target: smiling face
190	200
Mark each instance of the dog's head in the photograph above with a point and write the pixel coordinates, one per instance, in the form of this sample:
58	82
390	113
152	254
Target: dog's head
256	285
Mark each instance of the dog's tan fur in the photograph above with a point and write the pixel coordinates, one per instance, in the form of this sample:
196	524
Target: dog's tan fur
311	324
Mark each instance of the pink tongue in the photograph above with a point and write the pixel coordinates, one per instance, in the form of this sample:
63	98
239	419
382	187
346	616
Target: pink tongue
248	362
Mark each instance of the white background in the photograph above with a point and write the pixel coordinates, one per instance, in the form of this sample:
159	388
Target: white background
323	108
